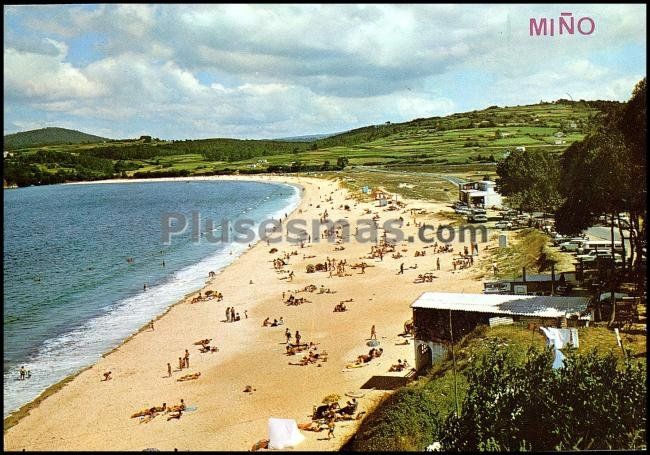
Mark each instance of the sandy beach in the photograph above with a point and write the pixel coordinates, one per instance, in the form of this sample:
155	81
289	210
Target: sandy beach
90	414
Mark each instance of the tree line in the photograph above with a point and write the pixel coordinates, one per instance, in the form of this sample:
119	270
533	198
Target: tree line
605	174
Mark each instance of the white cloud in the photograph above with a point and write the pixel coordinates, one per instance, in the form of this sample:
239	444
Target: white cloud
292	69
47	77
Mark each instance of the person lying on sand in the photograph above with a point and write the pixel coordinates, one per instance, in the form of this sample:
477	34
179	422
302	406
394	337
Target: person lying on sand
203	342
310	426
175	415
178	407
207	348
150	411
143	413
399	366
189	377
261	444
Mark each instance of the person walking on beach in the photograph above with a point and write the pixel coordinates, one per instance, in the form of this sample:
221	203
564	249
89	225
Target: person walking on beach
169	370
246	314
438	263
180	363
401	269
151	325
287	333
232	314
330	428
187	359
22	373
228	314
373	333
145	287
298	337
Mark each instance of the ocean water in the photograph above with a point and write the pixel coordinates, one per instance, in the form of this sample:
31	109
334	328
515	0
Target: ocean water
69	292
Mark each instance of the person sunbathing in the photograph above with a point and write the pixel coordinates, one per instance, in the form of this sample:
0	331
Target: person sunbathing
178	407
378	352
144	412
399	366
189	377
363	358
203	342
310	426
261	444
162	408
175	415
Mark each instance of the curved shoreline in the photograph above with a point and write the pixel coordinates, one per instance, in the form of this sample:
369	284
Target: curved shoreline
23	411
89	414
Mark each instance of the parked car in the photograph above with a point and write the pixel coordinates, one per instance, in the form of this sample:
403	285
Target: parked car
593	254
571	245
477	218
496	288
503	225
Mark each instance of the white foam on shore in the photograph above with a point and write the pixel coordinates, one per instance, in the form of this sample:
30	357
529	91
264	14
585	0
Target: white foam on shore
69	353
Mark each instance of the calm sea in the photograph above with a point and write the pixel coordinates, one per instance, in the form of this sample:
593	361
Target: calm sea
69	292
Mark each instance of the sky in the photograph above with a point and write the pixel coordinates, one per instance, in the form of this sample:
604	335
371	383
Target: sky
270	71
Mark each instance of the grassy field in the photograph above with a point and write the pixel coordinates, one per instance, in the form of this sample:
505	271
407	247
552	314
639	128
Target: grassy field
528	248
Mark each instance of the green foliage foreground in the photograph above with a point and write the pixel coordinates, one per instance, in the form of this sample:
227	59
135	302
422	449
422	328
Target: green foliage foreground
588	404
513	403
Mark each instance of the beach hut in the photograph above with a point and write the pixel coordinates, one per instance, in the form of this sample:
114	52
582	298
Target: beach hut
284	433
435	313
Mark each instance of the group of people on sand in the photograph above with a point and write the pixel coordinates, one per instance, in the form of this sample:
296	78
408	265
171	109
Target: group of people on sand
313	356
463	262
340	307
267	322
233	316
209	295
293	300
379	251
374	353
400	365
205	346
445	248
175	412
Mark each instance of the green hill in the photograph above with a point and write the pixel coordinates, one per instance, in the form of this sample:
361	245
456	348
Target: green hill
48	136
462	145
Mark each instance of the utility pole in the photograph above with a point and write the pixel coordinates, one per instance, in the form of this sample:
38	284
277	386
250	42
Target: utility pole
453	360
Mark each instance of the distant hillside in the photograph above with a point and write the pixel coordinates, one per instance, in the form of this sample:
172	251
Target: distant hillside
306	138
48	136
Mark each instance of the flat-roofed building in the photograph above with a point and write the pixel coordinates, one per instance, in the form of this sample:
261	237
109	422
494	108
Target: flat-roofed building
434	313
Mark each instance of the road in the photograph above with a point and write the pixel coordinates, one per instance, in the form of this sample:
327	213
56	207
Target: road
604	233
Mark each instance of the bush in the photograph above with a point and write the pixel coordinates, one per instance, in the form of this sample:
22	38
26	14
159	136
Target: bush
405	420
588	404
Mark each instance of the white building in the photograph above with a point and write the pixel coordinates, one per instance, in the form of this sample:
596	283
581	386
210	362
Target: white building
481	194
